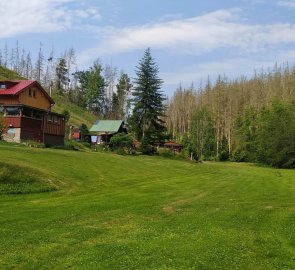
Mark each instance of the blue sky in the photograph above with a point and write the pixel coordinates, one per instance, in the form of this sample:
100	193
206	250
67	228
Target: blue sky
189	39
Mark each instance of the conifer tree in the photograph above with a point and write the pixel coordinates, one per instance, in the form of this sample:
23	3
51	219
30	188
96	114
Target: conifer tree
61	75
148	110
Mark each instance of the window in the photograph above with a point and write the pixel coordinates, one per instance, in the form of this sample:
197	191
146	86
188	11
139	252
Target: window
30	92
2	86
27	112
12	111
34	94
38	115
56	118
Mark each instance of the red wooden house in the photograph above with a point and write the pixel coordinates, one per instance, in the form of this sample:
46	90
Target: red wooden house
26	108
176	147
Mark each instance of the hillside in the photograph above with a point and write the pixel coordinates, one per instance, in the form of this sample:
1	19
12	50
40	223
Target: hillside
6	74
78	115
126	212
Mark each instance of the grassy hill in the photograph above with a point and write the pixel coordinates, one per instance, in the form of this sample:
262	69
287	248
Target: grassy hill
78	115
126	212
6	74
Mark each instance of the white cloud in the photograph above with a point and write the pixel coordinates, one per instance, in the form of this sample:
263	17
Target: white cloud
40	16
287	3
88	13
196	35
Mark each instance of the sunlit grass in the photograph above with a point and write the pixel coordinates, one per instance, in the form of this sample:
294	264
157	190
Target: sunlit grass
125	212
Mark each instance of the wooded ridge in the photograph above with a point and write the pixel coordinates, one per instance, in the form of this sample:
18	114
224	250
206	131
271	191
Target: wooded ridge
242	119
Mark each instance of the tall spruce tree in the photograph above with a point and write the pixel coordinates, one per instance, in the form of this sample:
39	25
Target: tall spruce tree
148	107
61	76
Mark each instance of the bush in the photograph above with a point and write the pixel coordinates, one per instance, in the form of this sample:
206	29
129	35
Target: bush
73	145
121	141
239	155
146	148
163	152
290	164
185	153
121	151
166	153
223	156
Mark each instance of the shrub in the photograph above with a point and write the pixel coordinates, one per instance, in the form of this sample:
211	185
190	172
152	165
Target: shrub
223	155
73	145
166	153
121	151
239	155
146	148
120	141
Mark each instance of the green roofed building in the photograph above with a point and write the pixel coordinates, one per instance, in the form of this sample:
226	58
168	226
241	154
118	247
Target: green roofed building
103	130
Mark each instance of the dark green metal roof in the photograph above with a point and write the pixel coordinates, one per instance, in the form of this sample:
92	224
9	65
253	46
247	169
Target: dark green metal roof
110	126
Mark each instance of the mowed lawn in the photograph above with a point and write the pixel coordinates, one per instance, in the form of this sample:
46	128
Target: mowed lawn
136	212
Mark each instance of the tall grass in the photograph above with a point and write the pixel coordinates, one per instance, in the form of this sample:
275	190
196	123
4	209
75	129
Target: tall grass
18	180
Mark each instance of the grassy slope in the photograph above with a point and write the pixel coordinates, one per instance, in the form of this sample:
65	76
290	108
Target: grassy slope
21	180
78	115
6	74
122	212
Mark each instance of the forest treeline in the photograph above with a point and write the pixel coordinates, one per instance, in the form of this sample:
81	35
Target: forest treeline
242	120
100	89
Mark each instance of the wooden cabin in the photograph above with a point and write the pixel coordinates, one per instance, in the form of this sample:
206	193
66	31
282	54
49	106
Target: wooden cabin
103	130
26	109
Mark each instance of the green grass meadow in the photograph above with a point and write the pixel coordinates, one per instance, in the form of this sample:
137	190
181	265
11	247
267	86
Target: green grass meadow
90	210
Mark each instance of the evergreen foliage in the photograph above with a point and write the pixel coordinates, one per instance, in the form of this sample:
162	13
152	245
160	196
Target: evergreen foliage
121	141
147	117
276	135
84	131
67	115
245	136
61	75
92	85
202	134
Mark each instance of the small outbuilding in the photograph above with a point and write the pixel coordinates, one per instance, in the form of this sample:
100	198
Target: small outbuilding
103	130
173	146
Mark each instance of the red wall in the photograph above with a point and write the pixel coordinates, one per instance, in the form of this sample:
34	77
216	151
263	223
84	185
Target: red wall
14	121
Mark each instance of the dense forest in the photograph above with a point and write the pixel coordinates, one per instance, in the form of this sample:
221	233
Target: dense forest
243	119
